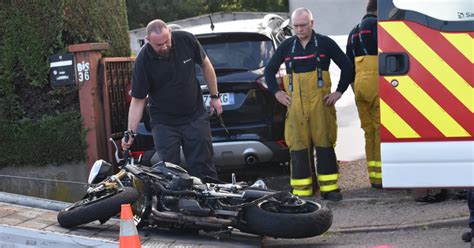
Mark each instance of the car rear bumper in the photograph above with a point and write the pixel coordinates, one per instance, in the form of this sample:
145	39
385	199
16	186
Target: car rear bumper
237	153
244	150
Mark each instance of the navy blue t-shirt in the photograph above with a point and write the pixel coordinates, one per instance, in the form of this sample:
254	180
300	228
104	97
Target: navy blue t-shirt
327	49
367	32
174	93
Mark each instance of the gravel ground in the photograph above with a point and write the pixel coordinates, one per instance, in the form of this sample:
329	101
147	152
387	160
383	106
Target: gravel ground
353	175
353	179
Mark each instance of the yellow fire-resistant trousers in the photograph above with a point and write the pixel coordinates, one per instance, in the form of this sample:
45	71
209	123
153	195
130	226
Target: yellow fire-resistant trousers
310	123
366	90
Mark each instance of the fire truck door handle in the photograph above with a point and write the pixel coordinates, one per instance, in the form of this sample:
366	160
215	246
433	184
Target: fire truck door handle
393	64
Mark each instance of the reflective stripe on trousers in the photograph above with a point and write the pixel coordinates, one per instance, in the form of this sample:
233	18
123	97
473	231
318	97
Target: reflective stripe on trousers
366	89
310	123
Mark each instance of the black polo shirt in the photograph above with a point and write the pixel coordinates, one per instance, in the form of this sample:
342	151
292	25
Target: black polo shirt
327	49
173	90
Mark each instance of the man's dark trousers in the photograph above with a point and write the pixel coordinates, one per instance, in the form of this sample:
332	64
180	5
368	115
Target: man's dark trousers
195	138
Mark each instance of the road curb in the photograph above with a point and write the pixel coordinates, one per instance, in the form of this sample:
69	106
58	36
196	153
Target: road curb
32	201
461	221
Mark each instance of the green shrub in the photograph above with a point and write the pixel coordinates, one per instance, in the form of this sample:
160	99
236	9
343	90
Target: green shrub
50	140
97	21
40	124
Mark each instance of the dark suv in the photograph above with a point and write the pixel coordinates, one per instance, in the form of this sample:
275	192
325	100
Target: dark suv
251	129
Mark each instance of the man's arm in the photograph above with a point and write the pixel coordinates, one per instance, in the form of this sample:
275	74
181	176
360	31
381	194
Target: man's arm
211	80
350	53
347	72
271	69
134	116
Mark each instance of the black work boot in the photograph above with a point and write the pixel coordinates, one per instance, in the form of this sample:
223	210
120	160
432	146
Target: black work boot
376	186
432	197
334	196
466	237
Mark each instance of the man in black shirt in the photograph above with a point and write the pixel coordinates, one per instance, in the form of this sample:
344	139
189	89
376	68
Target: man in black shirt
164	73
311	116
362	52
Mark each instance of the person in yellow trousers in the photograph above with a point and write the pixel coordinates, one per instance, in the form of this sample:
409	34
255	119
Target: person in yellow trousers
311	116
362	52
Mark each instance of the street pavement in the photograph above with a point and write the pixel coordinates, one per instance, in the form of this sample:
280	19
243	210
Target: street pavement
363	210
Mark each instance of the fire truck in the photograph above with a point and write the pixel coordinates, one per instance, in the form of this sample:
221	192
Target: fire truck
426	80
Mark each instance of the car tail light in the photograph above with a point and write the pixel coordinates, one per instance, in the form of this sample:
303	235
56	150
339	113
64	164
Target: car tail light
282	143
281	73
262	83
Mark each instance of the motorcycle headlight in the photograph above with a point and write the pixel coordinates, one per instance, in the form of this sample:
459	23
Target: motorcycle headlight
101	169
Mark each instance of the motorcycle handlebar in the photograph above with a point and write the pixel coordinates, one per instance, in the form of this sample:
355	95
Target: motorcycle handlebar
126	137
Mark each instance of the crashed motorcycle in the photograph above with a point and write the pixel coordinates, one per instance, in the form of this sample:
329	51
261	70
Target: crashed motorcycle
166	196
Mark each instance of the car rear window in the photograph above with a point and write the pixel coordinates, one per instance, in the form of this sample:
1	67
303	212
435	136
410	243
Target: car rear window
237	51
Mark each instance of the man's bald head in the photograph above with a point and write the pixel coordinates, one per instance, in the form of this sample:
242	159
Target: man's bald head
156	26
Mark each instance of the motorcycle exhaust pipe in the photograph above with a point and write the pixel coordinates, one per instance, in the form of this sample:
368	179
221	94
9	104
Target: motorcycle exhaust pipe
183	219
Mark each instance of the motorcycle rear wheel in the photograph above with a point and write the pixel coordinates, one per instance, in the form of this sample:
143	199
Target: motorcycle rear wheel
274	219
102	208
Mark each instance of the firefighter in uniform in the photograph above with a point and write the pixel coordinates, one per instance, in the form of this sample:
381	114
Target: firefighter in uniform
362	52
311	115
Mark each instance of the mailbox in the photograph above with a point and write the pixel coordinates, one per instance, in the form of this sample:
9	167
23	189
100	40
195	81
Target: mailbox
62	71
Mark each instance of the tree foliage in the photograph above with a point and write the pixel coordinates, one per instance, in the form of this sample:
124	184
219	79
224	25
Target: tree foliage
97	21
140	12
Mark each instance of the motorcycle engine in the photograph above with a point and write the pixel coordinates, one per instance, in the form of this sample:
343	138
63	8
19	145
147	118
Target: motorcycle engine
181	182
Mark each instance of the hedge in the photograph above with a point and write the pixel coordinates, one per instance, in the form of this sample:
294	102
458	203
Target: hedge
50	140
40	124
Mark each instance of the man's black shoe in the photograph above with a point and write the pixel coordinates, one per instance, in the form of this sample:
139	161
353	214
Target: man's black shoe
376	186
433	198
332	196
460	195
466	237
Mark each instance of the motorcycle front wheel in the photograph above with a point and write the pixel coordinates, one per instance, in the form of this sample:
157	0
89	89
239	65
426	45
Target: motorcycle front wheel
98	208
277	219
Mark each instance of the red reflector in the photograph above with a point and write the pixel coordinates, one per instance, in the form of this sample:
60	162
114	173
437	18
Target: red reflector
137	155
282	143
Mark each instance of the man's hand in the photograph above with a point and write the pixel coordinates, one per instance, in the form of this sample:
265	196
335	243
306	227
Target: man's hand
283	98
127	144
332	98
216	104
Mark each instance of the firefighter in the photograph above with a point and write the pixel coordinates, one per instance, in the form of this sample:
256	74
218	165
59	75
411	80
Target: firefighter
311	116
467	236
362	52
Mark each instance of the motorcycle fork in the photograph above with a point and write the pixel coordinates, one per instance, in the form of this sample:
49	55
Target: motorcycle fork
115	179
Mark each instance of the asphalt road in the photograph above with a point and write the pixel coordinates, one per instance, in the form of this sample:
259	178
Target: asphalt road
419	238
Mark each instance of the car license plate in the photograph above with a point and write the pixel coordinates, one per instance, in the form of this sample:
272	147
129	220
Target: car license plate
226	99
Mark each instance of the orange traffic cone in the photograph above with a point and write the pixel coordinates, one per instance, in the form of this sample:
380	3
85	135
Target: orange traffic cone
128	231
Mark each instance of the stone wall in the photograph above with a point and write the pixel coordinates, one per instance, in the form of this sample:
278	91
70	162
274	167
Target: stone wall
65	182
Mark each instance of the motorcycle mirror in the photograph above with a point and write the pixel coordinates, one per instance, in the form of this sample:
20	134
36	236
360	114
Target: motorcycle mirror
117	158
259	184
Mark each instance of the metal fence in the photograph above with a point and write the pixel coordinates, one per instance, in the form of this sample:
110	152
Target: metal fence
117	78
